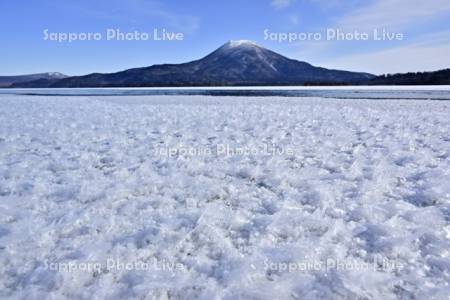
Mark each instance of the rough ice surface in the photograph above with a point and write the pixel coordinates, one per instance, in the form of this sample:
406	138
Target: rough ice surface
83	180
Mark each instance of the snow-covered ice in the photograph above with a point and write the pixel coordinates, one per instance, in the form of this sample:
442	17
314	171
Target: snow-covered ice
353	204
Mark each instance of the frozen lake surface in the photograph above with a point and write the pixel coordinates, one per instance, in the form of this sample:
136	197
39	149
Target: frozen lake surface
340	92
198	197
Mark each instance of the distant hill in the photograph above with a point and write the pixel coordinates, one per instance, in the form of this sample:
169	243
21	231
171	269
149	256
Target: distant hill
236	63
441	77
6	81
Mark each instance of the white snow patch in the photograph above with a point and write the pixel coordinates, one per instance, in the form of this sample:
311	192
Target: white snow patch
239	43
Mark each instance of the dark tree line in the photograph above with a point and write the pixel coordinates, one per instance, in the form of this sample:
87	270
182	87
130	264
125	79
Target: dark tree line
441	77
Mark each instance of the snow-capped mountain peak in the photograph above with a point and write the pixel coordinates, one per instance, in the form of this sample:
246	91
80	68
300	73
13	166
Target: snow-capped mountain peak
56	75
239	43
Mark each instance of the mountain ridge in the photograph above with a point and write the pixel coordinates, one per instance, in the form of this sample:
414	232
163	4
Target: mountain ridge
6	81
236	63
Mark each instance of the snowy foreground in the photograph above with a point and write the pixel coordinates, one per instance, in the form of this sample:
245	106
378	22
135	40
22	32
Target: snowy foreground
224	198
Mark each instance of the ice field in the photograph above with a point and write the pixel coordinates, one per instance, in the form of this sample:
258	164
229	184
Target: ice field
197	197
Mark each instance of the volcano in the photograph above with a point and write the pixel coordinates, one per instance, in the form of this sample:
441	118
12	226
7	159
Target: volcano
236	63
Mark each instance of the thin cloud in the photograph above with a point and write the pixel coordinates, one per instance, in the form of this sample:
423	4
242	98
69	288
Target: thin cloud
281	3
134	12
294	19
425	52
430	55
394	14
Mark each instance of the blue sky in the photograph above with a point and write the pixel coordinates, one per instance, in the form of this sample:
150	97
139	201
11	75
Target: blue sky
208	24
